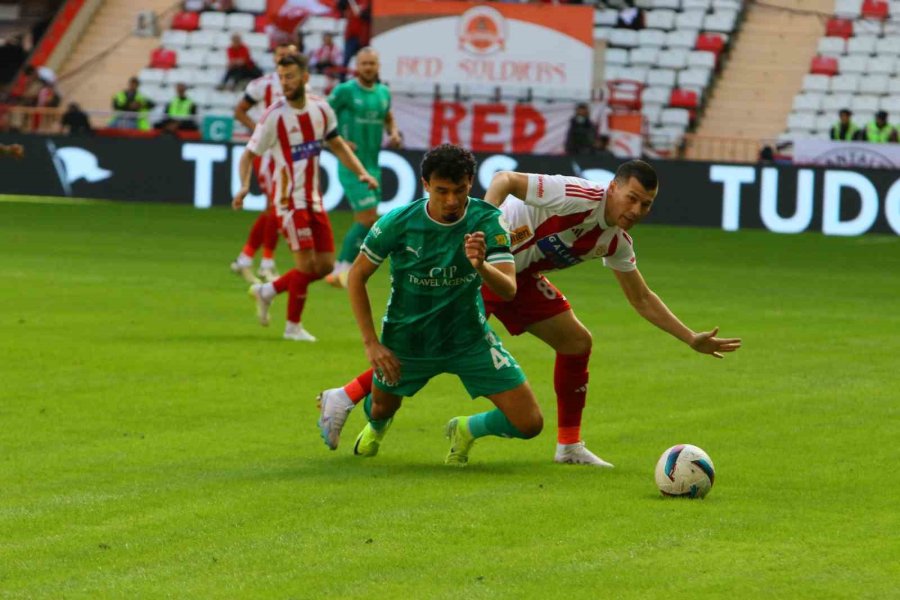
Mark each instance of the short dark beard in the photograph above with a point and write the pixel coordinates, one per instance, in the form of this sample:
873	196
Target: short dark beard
299	94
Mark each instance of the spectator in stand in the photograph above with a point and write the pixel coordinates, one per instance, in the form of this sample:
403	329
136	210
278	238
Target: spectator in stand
47	96
76	121
240	64
878	131
359	26
766	156
327	55
630	17
181	112
844	130
131	108
582	135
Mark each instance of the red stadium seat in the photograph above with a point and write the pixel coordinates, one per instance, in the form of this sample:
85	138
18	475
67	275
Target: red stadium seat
710	42
839	28
261	22
684	99
186	21
875	9
163	58
824	65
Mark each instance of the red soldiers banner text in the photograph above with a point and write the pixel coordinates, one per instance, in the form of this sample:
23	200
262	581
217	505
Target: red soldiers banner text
515	46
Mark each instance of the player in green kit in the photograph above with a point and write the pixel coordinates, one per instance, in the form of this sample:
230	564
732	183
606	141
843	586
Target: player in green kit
441	249
363	108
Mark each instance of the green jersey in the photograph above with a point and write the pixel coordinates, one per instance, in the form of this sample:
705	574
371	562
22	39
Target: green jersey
435	309
361	113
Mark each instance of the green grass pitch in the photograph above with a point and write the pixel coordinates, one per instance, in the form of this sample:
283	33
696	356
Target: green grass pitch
156	442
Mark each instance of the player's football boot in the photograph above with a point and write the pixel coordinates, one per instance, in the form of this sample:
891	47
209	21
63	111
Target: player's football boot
245	272
334	407
338	279
369	440
296	333
461	441
268	274
262	305
577	454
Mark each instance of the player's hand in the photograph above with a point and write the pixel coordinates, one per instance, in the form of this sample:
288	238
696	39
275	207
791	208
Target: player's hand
476	248
395	141
706	342
384	362
238	202
369	181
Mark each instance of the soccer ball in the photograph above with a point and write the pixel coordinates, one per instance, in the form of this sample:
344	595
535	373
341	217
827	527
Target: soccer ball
685	470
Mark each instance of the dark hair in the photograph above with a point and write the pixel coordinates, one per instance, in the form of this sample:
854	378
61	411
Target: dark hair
295	59
448	162
643	172
846	111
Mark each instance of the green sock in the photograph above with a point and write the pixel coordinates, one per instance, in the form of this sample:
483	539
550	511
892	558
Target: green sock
377	425
493	422
352	241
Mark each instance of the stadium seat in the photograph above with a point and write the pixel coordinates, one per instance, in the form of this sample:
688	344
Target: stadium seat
703	5
152	76
702	59
852	64
217	59
212	20
658	96
602	33
848	9
221	39
660	19
873	9
734	5
202	38
694	78
888	45
832	103
613	72
864	103
682	98
723	21
201	95
318	83
643	56
605	18
240	22
801	121
157	93
894	86
674	58
186	21
824	65
638	74
873	84
869	27
192	57
861	44
208	77
844	83
809	102
882	65
163	58
250	6
651	113
623	38
651	38
666	4
616	56
186	75
839	28
690	20
661	77
681	39
891	104
825	122
832	46
816	83
710	42
256	41
174	39
680	117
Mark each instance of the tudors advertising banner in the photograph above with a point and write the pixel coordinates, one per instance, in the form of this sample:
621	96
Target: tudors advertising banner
827	153
783	199
497	44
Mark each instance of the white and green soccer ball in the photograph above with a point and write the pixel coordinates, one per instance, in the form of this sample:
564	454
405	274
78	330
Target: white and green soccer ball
685	470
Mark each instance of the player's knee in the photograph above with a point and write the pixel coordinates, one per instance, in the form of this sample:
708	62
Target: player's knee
580	342
533	426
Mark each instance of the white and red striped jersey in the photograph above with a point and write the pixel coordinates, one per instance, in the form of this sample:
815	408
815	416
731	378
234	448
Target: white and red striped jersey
561	223
295	138
260	94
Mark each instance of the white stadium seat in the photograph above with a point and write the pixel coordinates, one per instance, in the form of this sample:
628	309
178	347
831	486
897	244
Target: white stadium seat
638	74
181	75
623	38
894	86
825	122
250	6
675	116
651	113
703	59
616	56
674	58
643	56
201	96
873	27
217	59
667	4
212	20
891	104
734	5
613	72
832	103
602	33
873	84
156	93
845	83
681	39
861	118
801	121
256	41
661	77
703	5
656	95
832	46
202	38
888	45
861	44
864	103
818	83
852	64
193	57
209	77
723	21
660	19
151	76
690	20
240	22
606	18
694	78
651	38
850	9
174	39
810	102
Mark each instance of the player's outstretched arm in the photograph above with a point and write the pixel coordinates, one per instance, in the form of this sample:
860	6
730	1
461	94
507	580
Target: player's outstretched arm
241	113
506	183
652	308
379	356
500	278
344	154
244	169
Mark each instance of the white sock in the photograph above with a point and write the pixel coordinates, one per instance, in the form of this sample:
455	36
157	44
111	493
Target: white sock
267	263
244	261
267	291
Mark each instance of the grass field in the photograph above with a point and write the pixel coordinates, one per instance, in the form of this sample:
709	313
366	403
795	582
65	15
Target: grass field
156	442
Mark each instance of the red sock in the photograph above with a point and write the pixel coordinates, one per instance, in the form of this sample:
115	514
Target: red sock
270	235
283	283
360	387
570	377
255	239
297	297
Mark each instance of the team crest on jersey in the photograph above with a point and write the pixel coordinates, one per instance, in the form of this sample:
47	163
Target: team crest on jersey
520	234
501	239
600	250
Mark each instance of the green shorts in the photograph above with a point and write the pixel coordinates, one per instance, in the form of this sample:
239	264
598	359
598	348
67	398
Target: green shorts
484	370
358	194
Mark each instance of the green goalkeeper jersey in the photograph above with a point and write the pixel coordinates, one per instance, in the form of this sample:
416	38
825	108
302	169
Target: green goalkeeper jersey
361	113
435	309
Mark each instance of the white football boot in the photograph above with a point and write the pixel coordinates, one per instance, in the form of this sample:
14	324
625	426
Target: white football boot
577	454
268	274
334	406
262	304
243	271
296	333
